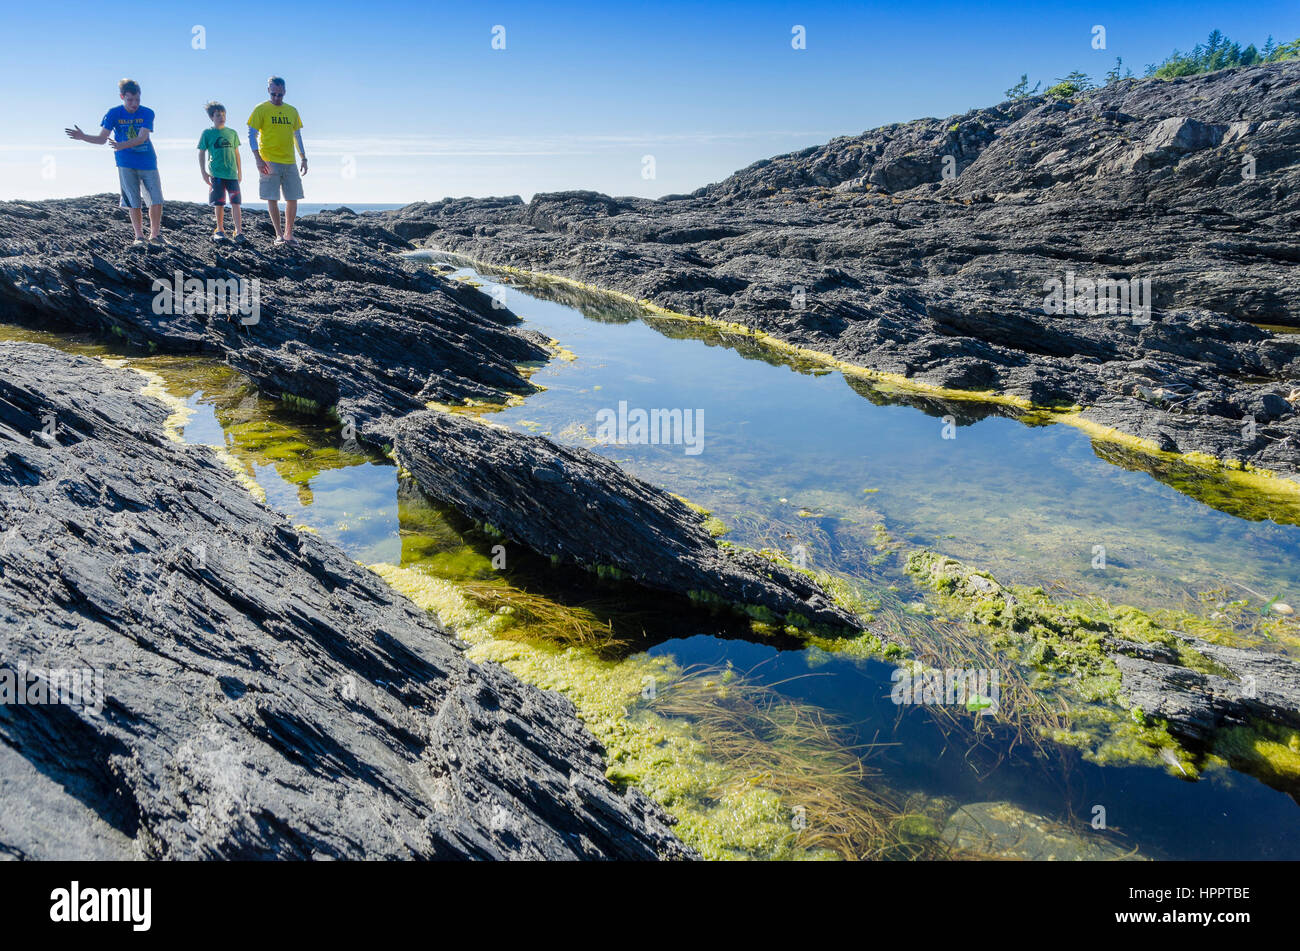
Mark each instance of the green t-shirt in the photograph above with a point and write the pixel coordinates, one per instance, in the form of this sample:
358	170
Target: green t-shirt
222	145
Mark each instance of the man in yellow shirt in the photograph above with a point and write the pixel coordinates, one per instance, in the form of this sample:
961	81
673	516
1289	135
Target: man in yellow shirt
274	128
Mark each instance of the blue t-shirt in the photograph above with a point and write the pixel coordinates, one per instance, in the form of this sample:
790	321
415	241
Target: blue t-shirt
125	126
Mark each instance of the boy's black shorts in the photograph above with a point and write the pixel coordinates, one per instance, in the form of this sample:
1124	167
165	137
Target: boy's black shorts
221	187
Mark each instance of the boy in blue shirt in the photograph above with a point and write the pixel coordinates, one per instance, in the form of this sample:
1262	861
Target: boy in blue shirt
130	126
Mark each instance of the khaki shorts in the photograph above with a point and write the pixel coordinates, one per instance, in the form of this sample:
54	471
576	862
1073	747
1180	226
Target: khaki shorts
135	180
282	178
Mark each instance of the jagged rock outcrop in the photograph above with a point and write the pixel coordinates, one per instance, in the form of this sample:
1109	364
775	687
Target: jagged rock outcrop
926	249
338	319
1252	687
582	509
252	693
346	324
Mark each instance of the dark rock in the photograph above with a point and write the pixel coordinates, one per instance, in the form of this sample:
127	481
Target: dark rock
581	508
338	318
262	695
1186	184
1252	687
352	327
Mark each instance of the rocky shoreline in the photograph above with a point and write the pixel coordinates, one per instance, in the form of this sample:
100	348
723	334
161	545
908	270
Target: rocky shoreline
310	711
286	663
345	326
256	694
928	250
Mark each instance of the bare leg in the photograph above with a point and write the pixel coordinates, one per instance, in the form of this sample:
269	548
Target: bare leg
274	208
137	221
221	217
155	220
290	213
237	211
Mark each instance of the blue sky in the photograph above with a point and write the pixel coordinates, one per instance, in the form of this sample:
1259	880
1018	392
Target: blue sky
409	101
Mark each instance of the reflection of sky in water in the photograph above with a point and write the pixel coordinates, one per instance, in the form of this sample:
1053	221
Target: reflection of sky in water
355	506
1031	500
1027	503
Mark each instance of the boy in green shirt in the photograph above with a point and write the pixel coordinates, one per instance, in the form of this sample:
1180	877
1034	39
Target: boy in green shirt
224	171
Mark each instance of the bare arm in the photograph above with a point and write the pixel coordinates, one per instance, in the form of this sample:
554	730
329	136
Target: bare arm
141	138
76	133
297	137
203	166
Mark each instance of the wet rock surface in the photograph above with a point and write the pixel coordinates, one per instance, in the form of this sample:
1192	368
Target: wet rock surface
255	693
580	508
1235	687
1250	687
1006	830
346	324
925	249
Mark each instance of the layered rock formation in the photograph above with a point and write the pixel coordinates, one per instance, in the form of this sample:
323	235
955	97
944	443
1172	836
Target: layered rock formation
250	692
929	249
558	502
341	323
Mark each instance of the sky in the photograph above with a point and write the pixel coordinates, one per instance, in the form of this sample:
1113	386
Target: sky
415	101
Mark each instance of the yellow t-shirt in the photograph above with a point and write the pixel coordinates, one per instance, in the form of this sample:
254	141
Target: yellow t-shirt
275	127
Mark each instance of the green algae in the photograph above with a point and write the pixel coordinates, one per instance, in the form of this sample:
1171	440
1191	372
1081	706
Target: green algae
747	773
1268	750
1241	491
715	526
1068	643
722	814
854	596
257	433
304	405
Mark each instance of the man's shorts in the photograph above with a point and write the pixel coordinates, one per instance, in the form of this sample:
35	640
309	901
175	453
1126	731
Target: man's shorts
221	187
131	180
282	177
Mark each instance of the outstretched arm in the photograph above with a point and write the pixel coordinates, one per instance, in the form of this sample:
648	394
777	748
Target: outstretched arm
76	133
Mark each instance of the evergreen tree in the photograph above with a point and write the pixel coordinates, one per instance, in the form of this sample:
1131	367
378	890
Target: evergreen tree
1021	89
1118	72
1289	51
1220	52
